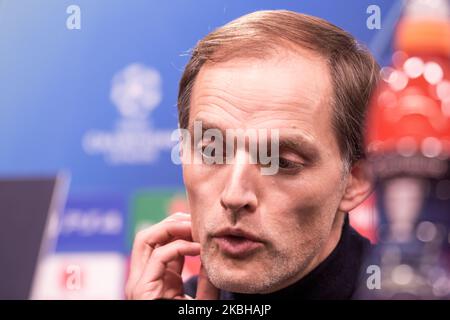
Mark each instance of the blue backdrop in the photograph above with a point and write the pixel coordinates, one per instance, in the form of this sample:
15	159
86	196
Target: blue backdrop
100	102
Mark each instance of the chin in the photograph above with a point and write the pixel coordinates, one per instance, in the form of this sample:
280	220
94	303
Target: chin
237	280
238	285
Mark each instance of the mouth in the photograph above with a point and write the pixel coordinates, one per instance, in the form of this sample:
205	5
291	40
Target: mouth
237	243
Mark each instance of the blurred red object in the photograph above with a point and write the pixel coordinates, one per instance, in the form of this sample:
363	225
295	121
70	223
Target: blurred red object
410	111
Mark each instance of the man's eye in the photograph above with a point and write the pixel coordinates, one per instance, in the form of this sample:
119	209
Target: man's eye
210	152
288	164
205	147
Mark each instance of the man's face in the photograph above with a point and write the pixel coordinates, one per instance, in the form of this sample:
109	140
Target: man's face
291	213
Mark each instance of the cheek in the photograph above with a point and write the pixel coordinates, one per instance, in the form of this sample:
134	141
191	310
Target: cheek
305	207
201	196
193	182
195	229
298	225
301	229
318	189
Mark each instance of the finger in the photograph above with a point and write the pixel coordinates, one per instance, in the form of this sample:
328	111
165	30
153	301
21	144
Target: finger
176	266
159	234
158	262
146	241
205	289
180	215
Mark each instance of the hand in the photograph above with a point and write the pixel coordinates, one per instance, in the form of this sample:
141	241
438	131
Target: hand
157	260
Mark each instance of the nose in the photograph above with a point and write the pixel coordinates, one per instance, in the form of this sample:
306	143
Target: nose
239	194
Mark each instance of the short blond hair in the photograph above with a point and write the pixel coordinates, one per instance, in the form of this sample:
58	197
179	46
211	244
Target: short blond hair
354	71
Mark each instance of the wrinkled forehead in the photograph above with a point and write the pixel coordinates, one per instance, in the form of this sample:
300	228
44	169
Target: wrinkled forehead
282	90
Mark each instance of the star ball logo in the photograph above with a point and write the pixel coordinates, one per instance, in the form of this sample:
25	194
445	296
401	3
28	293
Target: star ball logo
135	92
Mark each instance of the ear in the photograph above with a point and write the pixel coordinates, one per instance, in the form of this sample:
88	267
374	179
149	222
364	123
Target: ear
359	186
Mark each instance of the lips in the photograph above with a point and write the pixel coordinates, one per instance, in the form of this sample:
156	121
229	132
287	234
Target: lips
237	243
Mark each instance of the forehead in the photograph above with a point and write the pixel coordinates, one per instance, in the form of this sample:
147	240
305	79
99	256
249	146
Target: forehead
288	91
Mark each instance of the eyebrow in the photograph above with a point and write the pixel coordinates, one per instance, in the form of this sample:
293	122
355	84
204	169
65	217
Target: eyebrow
299	144
206	125
295	142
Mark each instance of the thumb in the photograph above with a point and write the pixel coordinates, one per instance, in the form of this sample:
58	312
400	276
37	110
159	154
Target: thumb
205	289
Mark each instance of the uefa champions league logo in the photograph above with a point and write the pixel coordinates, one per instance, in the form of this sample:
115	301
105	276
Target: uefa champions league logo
135	92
